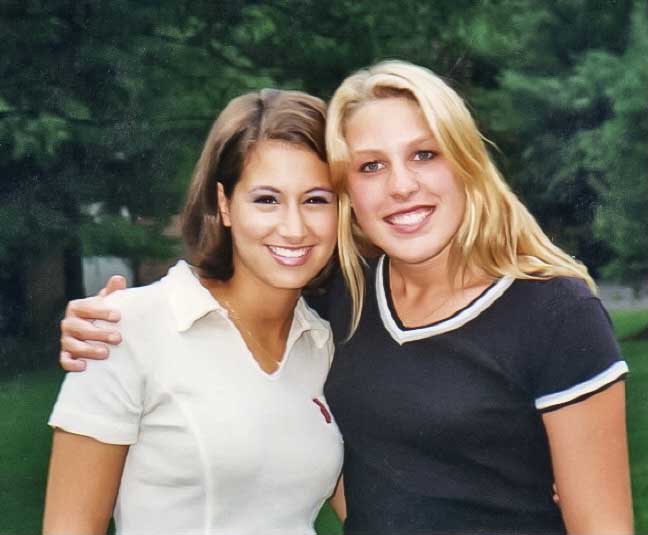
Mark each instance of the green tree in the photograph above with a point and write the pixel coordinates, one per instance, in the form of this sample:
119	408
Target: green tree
618	151
545	103
104	104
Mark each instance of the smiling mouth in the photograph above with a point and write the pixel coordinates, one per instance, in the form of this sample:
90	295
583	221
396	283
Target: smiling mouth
290	256
411	220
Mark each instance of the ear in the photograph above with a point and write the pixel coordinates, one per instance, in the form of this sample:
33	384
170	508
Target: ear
223	205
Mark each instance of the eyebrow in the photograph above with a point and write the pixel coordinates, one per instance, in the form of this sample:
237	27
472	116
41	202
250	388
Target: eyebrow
325	190
417	141
264	188
272	189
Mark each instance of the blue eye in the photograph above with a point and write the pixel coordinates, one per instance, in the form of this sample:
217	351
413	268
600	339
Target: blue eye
371	167
266	199
425	155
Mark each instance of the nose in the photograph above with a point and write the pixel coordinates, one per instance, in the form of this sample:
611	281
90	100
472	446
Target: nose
403	182
292	226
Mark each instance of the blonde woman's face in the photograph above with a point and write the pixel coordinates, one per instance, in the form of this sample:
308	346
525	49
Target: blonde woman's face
403	191
283	216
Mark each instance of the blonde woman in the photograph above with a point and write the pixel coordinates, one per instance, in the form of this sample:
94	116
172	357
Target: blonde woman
474	365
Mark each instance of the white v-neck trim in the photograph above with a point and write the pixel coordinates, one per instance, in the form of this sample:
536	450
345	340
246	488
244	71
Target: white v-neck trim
469	313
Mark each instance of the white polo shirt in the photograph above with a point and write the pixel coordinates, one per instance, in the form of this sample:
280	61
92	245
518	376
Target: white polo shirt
217	446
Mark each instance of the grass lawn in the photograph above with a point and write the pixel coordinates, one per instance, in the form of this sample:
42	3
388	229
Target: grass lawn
25	439
636	353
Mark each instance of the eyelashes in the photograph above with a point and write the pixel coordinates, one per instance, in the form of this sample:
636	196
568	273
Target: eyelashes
265	199
425	155
271	199
319	199
371	167
375	166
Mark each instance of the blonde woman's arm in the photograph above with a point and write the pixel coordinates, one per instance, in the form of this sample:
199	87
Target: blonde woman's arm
78	330
83	481
589	452
338	501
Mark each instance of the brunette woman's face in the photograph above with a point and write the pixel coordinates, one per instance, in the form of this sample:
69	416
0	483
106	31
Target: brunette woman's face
283	216
404	194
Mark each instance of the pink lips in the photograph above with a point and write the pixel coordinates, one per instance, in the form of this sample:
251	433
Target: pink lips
411	220
290	256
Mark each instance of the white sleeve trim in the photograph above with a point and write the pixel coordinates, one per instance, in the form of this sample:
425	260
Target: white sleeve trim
591	385
94	426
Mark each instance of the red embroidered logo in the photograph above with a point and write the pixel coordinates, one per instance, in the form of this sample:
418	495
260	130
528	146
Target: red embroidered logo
323	410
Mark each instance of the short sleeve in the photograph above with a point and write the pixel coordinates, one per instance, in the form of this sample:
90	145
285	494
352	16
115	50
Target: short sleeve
582	357
104	401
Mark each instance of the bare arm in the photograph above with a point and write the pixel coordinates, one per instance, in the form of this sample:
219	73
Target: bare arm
83	481
589	452
338	502
77	329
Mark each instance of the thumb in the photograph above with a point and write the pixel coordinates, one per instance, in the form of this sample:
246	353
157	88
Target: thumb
116	282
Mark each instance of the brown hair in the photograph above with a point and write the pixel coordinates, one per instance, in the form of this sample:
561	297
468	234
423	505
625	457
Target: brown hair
269	114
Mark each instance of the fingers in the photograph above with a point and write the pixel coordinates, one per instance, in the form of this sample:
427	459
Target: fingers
70	364
86	331
81	349
92	308
78	340
79	334
116	282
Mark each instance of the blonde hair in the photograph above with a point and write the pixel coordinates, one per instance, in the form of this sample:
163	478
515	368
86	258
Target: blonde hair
498	235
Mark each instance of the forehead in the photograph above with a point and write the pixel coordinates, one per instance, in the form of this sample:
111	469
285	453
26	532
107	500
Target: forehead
392	121
284	165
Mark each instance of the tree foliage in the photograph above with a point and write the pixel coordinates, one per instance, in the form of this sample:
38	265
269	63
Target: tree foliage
619	153
106	104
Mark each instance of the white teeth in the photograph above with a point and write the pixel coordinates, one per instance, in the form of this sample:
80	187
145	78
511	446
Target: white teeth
290	253
409	218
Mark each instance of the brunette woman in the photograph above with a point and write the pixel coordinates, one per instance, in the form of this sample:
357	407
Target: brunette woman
210	417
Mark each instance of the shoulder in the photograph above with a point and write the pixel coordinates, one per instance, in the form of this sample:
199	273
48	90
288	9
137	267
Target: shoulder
311	315
139	303
319	328
148	313
178	296
569	288
557	295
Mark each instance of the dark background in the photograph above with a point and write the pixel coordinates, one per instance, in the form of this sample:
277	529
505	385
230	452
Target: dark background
104	106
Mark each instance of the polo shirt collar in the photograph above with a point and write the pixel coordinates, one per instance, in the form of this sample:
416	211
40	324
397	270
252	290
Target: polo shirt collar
191	301
309	320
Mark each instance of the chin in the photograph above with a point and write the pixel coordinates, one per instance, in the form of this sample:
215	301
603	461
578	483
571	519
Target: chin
413	253
289	282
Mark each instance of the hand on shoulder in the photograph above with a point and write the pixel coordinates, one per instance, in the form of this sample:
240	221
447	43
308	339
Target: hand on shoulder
79	333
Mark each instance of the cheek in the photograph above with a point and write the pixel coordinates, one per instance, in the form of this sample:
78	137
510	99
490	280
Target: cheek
250	225
459	203
366	199
325	226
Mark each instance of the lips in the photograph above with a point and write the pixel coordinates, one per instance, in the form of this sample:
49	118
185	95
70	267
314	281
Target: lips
410	220
290	256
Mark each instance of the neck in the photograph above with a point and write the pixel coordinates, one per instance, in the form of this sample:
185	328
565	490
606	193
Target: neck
430	276
255	303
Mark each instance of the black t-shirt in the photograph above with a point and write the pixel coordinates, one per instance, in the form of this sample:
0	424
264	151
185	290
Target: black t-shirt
442	424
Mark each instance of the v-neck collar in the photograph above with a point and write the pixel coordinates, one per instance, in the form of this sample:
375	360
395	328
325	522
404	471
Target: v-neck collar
402	334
